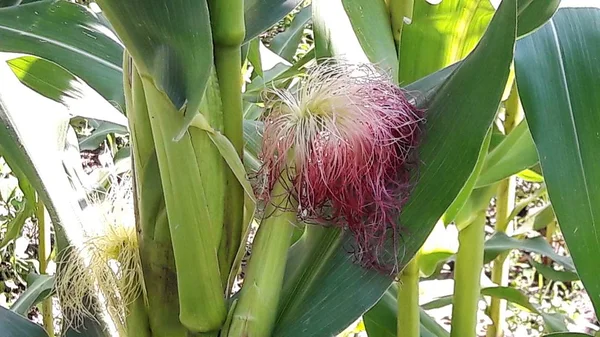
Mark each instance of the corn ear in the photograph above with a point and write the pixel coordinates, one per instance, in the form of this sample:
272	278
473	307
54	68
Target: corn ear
193	231
156	253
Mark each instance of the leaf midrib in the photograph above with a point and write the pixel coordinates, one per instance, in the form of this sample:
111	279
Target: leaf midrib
575	132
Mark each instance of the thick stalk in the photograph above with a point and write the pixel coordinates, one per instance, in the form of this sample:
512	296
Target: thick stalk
505	203
467	275
256	310
44	251
408	301
227	18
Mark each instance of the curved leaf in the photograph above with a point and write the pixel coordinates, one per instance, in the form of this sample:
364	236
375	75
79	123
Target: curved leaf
553	274
371	23
38	288
320	273
70	35
562	109
259	15
285	44
15	325
500	243
534	13
381	320
552	322
55	82
171	42
333	32
515	153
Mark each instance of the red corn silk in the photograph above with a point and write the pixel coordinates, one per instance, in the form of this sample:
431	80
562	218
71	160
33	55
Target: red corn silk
350	133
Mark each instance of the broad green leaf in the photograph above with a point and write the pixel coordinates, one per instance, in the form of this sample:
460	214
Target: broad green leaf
285	44
440	35
15	325
534	13
515	153
381	320
553	322
70	35
500	243
38	288
553	274
333	32
171	43
371	23
259	15
55	82
562	110
320	273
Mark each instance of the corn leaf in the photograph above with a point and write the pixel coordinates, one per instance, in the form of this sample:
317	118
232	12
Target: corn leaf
285	44
515	153
440	35
562	109
261	14
70	35
371	23
169	42
38	288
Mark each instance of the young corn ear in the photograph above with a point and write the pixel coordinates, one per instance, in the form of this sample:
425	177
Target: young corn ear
352	132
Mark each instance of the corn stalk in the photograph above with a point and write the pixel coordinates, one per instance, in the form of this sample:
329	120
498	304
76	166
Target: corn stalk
505	203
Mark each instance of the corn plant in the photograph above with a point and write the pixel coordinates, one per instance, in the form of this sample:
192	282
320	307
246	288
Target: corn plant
403	117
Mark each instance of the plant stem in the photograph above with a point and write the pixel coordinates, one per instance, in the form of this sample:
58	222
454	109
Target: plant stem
256	310
467	275
227	17
505	203
44	251
408	300
228	62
